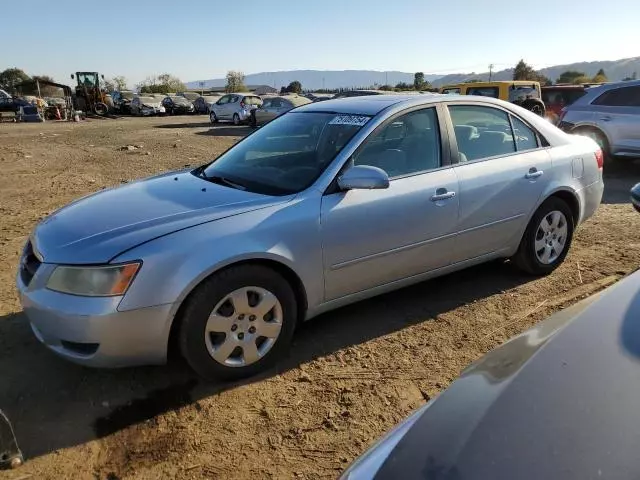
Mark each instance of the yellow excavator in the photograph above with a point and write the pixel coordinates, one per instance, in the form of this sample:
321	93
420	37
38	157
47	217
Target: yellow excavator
89	96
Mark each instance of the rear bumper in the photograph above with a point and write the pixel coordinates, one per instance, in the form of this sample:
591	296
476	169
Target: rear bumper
590	197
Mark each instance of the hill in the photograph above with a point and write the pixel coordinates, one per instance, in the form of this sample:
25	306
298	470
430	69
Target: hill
615	69
316	79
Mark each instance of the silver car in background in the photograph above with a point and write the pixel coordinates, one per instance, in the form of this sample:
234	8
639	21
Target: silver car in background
328	204
147	106
610	114
273	107
234	107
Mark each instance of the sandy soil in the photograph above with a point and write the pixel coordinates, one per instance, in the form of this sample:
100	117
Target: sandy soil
351	374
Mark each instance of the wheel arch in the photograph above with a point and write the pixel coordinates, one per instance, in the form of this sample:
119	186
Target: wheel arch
591	126
275	264
571	199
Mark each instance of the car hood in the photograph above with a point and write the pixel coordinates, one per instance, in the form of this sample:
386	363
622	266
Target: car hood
559	401
96	228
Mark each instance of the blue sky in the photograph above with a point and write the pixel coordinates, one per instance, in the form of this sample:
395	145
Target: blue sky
203	39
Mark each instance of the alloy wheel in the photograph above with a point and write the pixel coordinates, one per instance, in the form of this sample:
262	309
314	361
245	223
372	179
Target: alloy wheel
551	237
243	326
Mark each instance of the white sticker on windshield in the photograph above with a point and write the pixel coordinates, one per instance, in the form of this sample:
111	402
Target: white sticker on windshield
356	120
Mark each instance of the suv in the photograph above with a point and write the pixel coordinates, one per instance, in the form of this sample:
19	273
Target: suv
521	92
556	97
610	114
235	107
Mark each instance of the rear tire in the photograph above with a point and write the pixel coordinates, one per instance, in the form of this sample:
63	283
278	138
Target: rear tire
544	245
236	119
224	352
534	105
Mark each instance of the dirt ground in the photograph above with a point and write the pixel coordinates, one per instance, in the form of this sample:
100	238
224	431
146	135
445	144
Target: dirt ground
351	375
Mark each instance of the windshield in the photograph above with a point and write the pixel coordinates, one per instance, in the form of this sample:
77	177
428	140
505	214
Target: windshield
288	154
180	100
252	101
148	100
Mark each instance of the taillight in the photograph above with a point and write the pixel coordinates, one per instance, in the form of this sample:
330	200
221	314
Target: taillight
241	104
600	158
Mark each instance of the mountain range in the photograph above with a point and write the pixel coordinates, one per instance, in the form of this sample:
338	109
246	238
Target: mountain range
332	79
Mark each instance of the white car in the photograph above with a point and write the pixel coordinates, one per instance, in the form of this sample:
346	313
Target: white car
235	107
146	106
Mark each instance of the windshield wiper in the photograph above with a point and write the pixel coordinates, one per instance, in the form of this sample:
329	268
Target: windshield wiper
222	181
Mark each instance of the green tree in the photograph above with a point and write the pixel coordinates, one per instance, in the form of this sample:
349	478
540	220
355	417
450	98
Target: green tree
11	77
403	86
418	81
164	83
569	76
600	77
235	82
523	71
581	80
294	87
386	88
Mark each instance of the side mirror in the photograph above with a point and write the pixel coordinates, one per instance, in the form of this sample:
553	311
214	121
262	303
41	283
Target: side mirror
72	76
363	177
635	197
102	76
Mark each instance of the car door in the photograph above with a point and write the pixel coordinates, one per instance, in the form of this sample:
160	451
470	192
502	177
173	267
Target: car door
262	112
617	113
220	106
374	237
502	171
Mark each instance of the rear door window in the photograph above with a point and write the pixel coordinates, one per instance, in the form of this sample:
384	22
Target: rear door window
483	91
525	137
253	101
481	132
620	97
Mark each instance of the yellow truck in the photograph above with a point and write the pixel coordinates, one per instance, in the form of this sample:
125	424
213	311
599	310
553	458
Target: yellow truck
525	93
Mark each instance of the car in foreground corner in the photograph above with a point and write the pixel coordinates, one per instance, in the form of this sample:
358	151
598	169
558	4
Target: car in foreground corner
556	402
328	204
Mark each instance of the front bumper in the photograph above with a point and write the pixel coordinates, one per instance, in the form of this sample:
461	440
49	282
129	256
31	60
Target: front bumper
92	331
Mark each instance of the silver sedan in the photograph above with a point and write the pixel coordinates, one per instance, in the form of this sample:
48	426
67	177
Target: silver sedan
273	107
326	205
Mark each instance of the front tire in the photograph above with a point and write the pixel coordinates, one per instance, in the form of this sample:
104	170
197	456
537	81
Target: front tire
238	322
547	239
213	118
597	136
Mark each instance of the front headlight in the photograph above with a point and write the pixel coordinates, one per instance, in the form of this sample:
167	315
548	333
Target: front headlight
104	281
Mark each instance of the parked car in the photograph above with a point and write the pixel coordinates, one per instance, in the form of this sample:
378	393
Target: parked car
610	114
146	106
177	105
556	402
122	101
203	104
236	107
635	197
524	93
13	104
556	97
191	96
273	107
328	204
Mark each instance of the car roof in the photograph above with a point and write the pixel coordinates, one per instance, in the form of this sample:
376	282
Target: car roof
490	84
367	104
596	91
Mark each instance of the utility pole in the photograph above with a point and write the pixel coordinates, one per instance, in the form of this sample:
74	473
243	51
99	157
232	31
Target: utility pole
490	71
386	78
322	83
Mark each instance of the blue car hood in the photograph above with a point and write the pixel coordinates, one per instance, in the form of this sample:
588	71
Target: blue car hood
96	228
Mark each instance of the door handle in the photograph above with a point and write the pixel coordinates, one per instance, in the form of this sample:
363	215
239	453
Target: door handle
442	194
534	173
